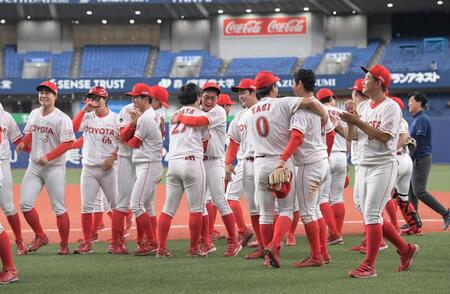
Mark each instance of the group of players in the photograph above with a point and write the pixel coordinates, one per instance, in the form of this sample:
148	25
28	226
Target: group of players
306	134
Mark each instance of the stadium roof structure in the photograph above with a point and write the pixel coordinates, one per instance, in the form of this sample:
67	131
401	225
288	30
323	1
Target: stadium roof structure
150	10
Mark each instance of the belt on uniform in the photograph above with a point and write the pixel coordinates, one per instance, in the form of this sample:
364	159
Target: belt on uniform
399	153
251	158
190	157
339	151
260	156
209	158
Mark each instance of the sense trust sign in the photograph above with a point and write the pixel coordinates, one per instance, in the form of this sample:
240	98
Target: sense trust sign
265	26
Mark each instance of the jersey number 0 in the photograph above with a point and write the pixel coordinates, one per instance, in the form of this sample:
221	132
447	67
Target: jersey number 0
262	126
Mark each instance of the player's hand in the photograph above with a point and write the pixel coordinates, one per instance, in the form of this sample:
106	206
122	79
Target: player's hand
281	163
229	170
108	163
42	161
350	106
88	107
324	117
135	114
334	120
174	120
20	147
350	117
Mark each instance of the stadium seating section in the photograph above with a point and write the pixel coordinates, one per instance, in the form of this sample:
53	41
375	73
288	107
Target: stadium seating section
251	66
114	61
210	65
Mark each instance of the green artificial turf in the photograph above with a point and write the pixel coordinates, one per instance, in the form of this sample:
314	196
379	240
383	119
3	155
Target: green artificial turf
46	272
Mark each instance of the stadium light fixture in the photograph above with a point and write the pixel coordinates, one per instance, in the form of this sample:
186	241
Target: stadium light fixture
440	2
137	12
159	21
104	21
76	21
220	11
131	21
390	5
277	9
89	12
334	12
306	9
248	10
2	21
353	11
28	17
182	17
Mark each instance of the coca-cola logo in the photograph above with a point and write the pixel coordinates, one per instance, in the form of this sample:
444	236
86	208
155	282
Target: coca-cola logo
265	26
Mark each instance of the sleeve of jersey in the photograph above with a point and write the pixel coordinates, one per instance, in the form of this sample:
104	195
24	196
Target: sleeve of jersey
294	143
330	140
76	121
134	142
127	132
26	141
78	143
59	150
391	120
193	121
232	151
66	130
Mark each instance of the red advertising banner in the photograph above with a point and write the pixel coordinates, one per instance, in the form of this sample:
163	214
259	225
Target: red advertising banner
264	26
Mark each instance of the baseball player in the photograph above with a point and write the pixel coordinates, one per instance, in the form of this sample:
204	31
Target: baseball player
147	146
225	101
9	272
243	180
400	194
311	157
186	173
268	122
100	138
10	132
375	126
332	199
215	119
50	133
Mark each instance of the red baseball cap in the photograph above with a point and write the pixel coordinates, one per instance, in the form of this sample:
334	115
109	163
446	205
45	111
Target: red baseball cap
358	86
47	85
399	101
161	94
211	85
225	99
97	91
244	84
265	79
324	93
379	72
141	89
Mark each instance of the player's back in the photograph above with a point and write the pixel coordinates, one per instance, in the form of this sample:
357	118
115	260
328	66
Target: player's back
124	119
217	129
268	124
185	140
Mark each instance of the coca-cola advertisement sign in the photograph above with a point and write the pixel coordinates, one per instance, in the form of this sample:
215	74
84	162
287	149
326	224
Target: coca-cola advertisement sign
264	26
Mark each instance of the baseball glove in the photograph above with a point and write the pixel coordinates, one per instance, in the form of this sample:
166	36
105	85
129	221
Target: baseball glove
280	182
411	144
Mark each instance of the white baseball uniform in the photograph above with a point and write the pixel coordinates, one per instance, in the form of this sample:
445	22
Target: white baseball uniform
237	131
355	162
186	171
147	160
100	139
268	125
378	166
10	132
405	166
125	169
47	132
312	161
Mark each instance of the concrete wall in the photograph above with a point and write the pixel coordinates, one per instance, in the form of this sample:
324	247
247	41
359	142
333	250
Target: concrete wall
346	31
185	35
51	35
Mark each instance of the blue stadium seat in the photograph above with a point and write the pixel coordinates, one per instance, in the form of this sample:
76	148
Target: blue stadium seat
114	60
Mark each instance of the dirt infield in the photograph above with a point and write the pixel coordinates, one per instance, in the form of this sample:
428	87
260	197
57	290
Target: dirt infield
353	224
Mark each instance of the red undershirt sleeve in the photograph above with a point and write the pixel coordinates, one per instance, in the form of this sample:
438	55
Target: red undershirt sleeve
78	143
193	121
134	142
232	150
330	140
127	132
76	122
294	143
59	150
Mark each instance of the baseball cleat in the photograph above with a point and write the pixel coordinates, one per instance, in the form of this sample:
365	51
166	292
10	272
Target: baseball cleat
406	259
21	248
233	248
290	240
193	252
245	237
258	253
144	249
63	249
117	248
9	275
84	248
335	240
253	244
208	248
37	243
413	230
163	253
274	256
383	246
308	262
358	247
326	258
446	220
363	271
